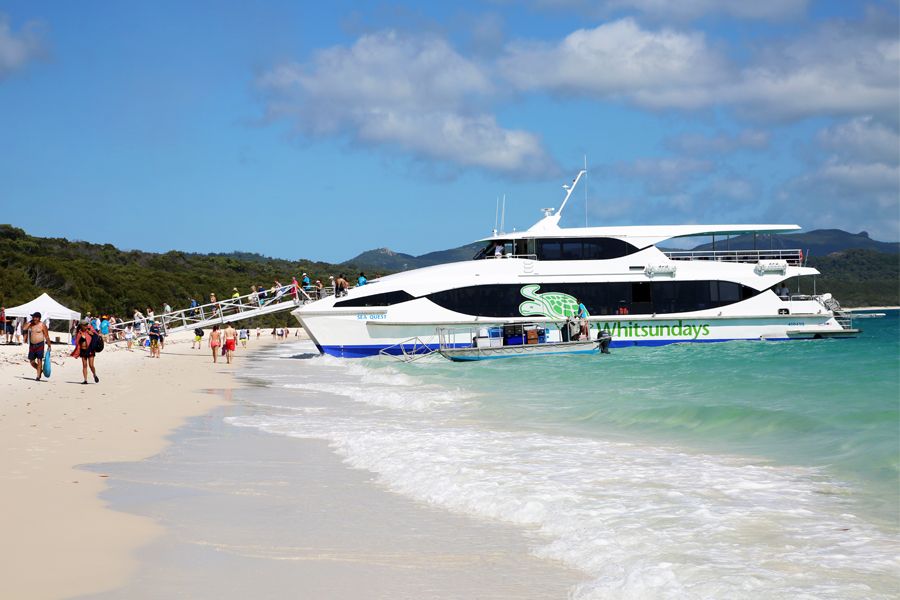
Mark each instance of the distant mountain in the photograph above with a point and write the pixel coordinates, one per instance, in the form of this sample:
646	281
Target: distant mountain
820	242
384	260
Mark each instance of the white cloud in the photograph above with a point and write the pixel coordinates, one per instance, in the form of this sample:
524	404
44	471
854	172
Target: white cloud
841	68
615	59
17	50
415	93
862	138
690	143
663	176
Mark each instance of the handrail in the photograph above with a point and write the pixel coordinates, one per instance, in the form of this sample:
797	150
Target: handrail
793	257
216	311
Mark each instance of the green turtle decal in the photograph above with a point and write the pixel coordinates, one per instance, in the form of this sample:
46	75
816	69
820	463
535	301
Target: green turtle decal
554	305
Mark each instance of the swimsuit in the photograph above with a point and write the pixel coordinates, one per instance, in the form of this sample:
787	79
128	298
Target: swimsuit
229	344
36	351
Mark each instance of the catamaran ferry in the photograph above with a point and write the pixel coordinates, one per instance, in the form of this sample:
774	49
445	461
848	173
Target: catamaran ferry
641	294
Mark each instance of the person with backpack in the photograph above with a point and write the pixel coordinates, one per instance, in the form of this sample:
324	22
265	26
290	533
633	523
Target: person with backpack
198	339
88	343
155	334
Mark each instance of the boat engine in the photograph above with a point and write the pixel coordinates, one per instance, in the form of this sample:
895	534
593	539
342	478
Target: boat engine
604	338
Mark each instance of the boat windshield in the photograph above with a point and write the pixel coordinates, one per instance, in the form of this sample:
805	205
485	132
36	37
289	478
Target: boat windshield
495	249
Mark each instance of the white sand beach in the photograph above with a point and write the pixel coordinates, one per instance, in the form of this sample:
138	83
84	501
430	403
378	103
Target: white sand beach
329	532
59	539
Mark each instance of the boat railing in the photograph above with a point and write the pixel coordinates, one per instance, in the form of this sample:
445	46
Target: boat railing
502	256
792	257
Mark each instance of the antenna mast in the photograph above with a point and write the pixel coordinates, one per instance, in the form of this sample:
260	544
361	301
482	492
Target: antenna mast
503	215
585	190
569	189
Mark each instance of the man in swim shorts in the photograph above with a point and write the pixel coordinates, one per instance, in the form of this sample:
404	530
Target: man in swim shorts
38	337
230	342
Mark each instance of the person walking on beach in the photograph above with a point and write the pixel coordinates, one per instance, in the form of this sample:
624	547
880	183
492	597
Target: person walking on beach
257	332
3	323
85	344
129	337
215	340
230	342
155	338
198	339
38	337
243	334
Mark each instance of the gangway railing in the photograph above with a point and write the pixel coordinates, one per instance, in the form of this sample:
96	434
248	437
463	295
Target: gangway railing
792	257
236	308
409	350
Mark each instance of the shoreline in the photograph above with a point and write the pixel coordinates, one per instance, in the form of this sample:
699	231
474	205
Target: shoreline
51	511
253	514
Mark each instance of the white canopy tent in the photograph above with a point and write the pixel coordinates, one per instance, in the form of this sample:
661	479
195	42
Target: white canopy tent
47	306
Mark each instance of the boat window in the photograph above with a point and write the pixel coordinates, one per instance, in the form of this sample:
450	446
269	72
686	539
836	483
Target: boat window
524	247
572	250
385	299
606	298
549	250
583	249
489	251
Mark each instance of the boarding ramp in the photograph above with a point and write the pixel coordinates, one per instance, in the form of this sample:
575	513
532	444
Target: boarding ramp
233	309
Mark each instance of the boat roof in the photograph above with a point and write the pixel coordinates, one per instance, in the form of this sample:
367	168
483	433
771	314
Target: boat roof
639	235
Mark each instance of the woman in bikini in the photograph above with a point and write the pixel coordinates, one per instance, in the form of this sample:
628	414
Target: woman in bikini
215	340
84	349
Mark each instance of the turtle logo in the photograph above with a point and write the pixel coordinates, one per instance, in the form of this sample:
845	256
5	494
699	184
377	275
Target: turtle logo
554	305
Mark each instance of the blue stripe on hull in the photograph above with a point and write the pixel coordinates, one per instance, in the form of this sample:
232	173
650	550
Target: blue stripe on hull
362	351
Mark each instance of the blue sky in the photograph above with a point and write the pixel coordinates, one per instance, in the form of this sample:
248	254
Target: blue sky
319	130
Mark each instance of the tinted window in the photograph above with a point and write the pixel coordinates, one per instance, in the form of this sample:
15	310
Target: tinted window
644	297
583	249
549	250
386	299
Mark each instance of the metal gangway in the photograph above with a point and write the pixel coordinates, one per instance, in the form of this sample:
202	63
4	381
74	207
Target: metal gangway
236	308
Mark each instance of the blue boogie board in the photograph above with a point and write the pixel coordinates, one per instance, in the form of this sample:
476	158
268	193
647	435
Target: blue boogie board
47	363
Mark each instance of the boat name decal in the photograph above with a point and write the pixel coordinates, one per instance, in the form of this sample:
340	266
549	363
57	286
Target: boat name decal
678	329
370	316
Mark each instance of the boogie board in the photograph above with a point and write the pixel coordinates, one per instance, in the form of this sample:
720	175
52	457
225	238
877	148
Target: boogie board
47	363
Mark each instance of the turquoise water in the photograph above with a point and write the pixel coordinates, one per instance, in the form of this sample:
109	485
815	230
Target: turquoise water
732	470
831	404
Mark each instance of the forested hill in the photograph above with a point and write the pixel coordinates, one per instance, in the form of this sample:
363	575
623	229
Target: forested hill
102	278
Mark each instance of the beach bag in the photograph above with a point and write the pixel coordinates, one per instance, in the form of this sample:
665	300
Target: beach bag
97	343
